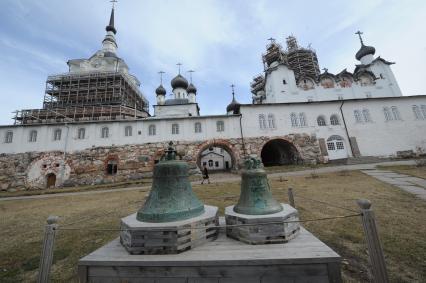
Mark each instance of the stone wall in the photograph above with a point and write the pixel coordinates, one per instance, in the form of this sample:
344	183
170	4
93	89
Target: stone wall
89	167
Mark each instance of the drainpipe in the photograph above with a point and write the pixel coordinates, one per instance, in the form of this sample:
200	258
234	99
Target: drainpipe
242	136
65	152
346	128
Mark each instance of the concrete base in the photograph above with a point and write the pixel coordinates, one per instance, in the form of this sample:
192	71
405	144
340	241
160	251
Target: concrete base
304	259
263	234
169	237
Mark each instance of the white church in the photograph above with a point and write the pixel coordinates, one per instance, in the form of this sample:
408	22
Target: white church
95	124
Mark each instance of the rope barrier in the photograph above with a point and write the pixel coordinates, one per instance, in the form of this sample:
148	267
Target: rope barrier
218	226
326	203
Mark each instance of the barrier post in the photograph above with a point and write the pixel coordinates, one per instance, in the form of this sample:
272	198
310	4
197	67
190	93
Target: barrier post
291	197
47	252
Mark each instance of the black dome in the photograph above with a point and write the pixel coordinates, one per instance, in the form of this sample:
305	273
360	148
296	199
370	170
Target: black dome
179	81
191	89
160	90
365	50
234	106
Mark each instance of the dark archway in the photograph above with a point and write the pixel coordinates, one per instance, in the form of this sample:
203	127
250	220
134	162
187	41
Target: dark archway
279	152
50	180
218	144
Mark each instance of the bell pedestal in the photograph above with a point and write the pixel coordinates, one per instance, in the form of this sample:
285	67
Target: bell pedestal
272	233
173	237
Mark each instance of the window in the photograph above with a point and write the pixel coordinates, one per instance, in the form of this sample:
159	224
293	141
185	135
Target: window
366	115
358	117
81	133
302	120
128	131
417	114
210	163
271	121
220	126
262	122
395	113
321	121
388	116
334	120
339	145
104	132
284	82
33	136
330	146
423	108
175	129
57	135
151	130
197	127
294	121
8	137
112	167
216	163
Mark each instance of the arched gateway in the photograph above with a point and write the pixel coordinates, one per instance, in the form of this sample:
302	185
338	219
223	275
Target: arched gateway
279	152
216	155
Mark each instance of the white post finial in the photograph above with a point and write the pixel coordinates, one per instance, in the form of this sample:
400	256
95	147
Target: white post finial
179	64
161	77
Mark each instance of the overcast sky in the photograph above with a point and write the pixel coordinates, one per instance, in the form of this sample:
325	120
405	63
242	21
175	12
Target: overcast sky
221	40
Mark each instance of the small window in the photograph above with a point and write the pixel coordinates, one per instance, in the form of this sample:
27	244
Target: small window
302	120
216	163
330	146
33	136
271	121
294	121
197	127
358	117
210	163
105	132
423	108
220	126
151	130
388	116
57	135
128	131
8	137
417	114
284	82
334	120
175	129
262	122
112	167
366	115
81	133
321	121
339	145
395	113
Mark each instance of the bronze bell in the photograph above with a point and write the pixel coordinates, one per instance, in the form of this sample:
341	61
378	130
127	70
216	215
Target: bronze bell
171	197
256	197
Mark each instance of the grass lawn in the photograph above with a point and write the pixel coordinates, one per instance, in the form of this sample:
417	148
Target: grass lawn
401	219
412	170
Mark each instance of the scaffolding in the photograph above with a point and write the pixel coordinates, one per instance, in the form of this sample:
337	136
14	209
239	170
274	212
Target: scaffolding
87	97
303	61
274	53
257	84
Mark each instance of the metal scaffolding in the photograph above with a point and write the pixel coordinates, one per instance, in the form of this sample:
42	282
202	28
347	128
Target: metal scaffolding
303	61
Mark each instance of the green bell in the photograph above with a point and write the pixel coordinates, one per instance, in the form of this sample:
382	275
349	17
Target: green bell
256	197
171	197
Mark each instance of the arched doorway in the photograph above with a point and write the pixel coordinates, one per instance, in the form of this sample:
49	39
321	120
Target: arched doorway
216	155
50	180
279	152
336	148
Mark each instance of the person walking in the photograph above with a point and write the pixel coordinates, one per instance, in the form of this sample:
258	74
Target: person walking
205	175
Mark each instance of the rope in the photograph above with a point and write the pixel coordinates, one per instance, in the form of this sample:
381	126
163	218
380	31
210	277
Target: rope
326	203
217	226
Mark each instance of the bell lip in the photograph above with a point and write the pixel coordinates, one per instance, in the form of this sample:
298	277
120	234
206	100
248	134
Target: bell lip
245	210
170	216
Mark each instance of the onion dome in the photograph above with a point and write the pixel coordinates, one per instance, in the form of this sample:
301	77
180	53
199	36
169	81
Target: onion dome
160	90
179	81
191	89
234	106
365	50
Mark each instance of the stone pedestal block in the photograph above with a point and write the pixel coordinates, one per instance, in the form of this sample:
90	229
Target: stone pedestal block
275	232
168	237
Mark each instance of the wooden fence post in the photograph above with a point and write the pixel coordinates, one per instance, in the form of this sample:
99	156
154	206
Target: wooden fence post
47	252
374	246
291	197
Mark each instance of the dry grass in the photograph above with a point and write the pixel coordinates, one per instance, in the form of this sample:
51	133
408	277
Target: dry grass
412	170
400	216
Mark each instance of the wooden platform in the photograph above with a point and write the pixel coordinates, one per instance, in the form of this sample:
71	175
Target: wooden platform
303	259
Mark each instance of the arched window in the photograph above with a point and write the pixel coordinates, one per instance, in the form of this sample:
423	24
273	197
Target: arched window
366	80
321	121
175	129
366	115
271	121
358	117
104	132
220	126
334	120
327	82
81	133
33	136
417	114
262	121
57	135
197	127
128	131
151	130
388	115
306	84
112	167
423	108
302	119
395	113
8	138
294	120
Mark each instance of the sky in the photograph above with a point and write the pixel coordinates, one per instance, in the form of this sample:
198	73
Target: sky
221	40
